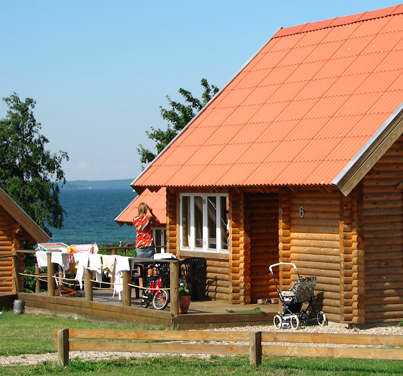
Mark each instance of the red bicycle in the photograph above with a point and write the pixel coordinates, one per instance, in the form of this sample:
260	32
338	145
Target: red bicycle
155	292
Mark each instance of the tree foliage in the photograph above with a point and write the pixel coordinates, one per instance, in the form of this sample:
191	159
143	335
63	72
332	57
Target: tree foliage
177	117
29	173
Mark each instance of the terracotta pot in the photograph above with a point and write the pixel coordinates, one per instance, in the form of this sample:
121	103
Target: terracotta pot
184	303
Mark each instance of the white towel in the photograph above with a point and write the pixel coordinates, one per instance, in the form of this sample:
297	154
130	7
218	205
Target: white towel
81	259
41	259
122	264
108	264
96	266
62	259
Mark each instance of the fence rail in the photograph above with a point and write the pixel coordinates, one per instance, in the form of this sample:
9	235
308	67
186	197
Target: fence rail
255	344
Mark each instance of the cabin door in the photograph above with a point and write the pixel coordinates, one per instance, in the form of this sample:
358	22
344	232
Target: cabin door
262	223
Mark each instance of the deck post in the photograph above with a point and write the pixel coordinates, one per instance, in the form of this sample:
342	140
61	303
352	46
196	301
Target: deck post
16	267
174	282
37	280
127	290
88	290
63	347
50	273
255	348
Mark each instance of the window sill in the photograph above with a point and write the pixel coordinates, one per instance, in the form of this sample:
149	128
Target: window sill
205	254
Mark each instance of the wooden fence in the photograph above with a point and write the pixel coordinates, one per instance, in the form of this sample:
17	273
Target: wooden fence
255	344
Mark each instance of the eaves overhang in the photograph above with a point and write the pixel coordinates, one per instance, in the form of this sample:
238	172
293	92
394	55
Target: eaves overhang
33	232
371	152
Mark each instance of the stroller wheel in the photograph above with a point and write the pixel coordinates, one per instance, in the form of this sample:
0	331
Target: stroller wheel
295	322
321	318
278	321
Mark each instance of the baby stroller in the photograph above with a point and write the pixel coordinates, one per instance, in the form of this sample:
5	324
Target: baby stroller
301	292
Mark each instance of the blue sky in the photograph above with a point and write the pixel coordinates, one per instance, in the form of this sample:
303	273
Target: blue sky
100	70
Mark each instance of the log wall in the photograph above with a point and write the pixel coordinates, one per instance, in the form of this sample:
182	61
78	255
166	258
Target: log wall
11	239
6	248
240	250
352	268
262	218
382	224
315	245
172	233
284	225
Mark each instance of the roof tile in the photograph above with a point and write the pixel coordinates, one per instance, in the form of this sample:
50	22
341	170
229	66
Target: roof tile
367	125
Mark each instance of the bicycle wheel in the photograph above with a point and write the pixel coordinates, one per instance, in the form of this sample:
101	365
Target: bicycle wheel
160	299
145	299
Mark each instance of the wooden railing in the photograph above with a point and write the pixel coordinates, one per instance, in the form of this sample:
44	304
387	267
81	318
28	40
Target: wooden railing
255	344
251	342
127	289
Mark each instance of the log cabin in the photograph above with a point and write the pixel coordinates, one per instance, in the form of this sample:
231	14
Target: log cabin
15	227
299	158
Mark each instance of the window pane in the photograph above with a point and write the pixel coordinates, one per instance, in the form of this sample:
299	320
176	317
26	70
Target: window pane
198	210
212	222
185	220
224	223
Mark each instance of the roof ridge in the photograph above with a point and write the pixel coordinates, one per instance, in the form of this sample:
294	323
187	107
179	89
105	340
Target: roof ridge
339	21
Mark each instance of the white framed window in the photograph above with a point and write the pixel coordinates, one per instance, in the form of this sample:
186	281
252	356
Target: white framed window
203	222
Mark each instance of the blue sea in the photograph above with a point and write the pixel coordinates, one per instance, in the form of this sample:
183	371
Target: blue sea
91	216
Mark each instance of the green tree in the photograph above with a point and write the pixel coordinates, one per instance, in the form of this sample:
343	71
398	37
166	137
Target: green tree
29	173
177	117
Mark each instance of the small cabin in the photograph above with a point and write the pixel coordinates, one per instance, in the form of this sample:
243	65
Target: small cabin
298	159
15	227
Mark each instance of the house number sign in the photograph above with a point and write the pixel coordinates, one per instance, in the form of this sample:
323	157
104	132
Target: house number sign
301	212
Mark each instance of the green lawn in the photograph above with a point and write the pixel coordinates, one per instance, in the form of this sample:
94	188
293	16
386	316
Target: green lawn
34	334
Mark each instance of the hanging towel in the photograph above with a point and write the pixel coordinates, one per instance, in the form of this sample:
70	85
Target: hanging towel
41	259
84	248
108	264
81	260
122	264
96	266
62	259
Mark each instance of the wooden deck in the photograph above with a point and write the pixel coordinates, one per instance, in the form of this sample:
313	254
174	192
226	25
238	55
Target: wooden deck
104	307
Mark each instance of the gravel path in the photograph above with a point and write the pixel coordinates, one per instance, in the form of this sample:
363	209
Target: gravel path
29	359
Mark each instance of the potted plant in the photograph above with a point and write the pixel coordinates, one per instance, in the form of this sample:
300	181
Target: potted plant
184	298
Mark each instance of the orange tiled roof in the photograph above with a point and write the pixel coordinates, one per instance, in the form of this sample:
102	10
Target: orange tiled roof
303	111
156	201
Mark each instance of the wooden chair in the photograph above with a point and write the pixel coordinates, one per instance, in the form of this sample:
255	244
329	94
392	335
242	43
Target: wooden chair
190	271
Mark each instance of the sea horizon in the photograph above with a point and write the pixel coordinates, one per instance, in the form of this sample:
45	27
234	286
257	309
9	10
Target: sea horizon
91	216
